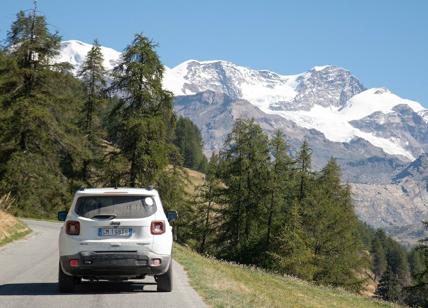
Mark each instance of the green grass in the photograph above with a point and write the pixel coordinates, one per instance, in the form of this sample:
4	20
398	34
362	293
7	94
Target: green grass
223	284
15	232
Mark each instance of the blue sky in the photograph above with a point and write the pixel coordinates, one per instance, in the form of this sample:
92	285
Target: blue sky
383	42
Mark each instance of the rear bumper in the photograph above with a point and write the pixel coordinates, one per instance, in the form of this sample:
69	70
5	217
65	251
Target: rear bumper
114	265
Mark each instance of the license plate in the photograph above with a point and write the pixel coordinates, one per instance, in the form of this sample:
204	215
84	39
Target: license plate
120	232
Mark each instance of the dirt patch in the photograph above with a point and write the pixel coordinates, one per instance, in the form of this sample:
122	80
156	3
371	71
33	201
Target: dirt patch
10	226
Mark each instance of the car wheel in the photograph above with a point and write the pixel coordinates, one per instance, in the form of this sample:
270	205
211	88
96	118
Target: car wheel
66	283
164	281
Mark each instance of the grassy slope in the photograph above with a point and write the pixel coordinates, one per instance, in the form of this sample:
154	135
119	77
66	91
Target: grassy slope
223	284
11	228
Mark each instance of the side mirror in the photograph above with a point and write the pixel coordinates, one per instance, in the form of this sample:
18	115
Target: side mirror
62	215
171	215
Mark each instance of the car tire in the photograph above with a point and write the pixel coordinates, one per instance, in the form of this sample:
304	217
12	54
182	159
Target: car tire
66	283
164	281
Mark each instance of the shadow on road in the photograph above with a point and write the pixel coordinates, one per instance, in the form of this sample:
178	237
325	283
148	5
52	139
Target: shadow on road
49	288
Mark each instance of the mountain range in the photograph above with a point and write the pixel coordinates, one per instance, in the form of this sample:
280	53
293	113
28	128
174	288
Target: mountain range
378	138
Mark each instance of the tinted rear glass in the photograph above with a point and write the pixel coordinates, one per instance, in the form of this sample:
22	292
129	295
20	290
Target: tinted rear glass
119	206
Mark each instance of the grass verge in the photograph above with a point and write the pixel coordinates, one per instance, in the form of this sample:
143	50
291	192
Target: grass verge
223	284
11	229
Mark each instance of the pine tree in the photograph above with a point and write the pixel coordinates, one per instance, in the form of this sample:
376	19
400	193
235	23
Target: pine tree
207	196
143	119
40	144
244	165
389	287
331	222
292	253
379	261
304	167
93	75
279	183
417	294
188	139
416	261
397	260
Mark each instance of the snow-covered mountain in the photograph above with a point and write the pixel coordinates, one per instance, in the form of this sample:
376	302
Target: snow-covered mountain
74	52
328	99
374	134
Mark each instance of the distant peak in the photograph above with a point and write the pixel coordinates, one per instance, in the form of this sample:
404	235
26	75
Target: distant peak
382	90
321	67
71	42
193	61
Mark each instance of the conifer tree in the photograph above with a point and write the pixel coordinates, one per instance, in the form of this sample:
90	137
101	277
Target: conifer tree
331	222
292	253
93	75
244	165
40	144
389	288
379	261
417	294
304	167
279	183
207	196
416	261
143	119
397	260
188	139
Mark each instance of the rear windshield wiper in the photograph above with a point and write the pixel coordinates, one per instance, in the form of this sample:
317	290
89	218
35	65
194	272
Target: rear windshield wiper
104	216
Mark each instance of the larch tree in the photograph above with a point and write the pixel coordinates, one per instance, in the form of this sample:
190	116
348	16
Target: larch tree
93	75
244	165
206	199
143	118
40	143
279	183
417	294
331	222
379	261
304	164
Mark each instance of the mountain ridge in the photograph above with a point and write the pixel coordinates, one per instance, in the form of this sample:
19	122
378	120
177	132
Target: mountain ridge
313	99
373	133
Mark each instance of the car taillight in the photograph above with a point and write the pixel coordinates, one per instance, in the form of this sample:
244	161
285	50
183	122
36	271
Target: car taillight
157	227
72	227
74	263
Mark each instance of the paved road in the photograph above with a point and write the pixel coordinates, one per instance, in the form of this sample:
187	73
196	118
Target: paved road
28	278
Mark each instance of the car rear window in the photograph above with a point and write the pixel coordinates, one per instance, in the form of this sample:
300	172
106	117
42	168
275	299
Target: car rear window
117	206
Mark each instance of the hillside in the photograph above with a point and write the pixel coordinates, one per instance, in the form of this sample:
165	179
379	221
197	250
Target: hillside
11	228
223	284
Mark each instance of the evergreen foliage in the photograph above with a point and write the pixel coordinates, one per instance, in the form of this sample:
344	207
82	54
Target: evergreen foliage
93	76
332	225
143	117
188	139
257	205
280	183
417	293
389	287
206	199
276	212
244	170
40	144
379	261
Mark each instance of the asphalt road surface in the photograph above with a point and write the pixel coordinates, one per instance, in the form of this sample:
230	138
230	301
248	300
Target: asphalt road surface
28	278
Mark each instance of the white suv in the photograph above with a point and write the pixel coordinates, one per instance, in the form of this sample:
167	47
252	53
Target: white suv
115	234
